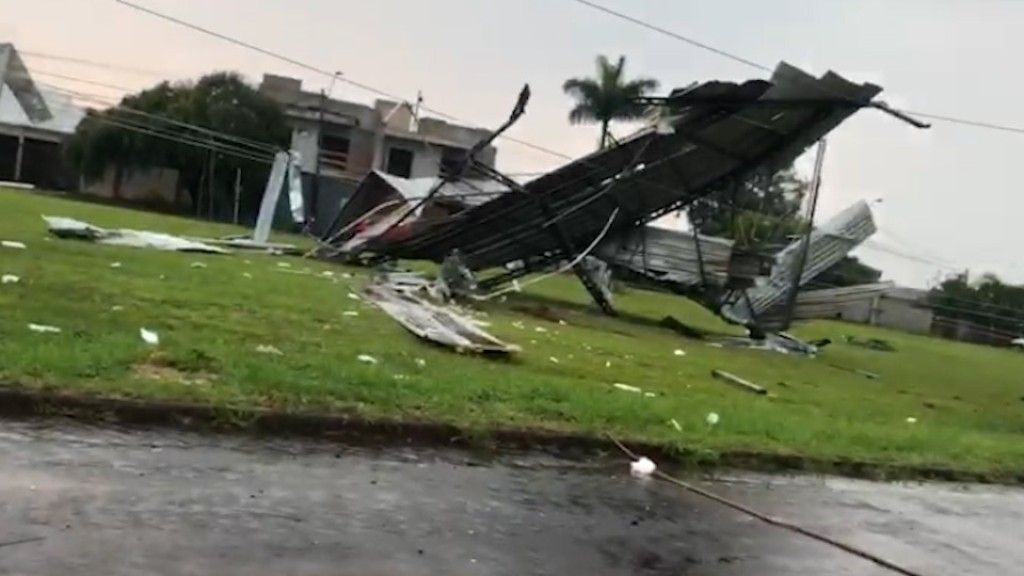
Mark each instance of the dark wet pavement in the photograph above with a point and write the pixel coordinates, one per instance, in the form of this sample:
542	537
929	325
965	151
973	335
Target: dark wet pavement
126	502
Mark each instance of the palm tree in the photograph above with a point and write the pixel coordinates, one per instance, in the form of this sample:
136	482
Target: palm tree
607	96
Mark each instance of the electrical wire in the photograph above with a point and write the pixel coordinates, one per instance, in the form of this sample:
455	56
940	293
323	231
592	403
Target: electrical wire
751	63
777	522
92	63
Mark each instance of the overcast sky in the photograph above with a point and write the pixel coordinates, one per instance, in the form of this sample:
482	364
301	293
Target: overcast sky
949	195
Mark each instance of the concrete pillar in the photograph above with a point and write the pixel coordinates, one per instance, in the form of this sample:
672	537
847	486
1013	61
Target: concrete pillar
18	157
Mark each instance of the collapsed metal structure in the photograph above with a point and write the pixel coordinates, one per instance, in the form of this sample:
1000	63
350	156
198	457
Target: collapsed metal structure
699	140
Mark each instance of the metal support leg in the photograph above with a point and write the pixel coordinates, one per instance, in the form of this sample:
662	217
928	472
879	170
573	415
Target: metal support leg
19	157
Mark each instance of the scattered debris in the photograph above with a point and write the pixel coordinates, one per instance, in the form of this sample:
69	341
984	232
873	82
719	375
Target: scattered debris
13	244
44	328
871	343
518	324
780	342
440	324
149	337
553	359
353	296
10	279
350	313
627	388
246	275
737	381
712	418
269	349
62	227
116	308
366	359
327	274
675	424
864	373
540	329
650	395
679	352
284	265
115	264
198	265
911	420
642	467
607	363
421	362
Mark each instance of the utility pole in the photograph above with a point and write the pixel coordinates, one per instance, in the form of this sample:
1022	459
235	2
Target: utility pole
210	184
801	261
238	193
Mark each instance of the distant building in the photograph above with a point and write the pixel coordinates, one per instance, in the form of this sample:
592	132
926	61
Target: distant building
350	139
34	126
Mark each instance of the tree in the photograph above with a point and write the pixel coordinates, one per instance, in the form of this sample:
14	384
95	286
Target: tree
989	302
607	96
220	102
754	212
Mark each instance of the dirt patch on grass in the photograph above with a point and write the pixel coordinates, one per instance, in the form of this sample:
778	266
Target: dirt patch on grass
158	366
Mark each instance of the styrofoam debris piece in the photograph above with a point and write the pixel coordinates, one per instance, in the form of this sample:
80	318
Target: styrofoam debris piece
327	274
246	275
10	279
116	308
284	265
269	349
518	324
607	363
115	264
712	418
553	359
149	337
346	276
642	467
354	296
540	329
366	359
911	420
563	323
627	388
716	345
350	313
43	328
421	362
675	424
679	352
516	287
649	394
13	244
198	264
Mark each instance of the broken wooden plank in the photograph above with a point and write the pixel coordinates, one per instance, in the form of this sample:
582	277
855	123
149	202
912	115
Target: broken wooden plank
738	382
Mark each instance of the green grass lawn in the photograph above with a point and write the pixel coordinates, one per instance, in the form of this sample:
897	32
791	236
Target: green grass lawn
968	400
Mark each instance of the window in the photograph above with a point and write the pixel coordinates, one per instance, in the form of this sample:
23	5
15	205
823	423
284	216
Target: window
452	160
334	152
399	162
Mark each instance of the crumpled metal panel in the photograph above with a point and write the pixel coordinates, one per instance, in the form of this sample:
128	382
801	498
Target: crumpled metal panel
668	255
63	227
653	171
15	76
829	244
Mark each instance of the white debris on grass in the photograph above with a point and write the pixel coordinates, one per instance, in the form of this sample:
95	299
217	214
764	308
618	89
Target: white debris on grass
284	265
116	308
563	323
553	359
10	279
421	362
115	264
715	344
346	276
675	424
712	418
649	394
354	296
366	359
518	324
679	352
627	388
269	349
246	275
540	329
149	337
911	420
350	313
198	264
642	467
44	328
13	244
607	363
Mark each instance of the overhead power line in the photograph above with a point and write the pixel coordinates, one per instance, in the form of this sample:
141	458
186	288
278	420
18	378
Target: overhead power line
327	73
91	63
736	58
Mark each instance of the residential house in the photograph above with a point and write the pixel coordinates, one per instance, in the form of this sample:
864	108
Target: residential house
34	125
343	141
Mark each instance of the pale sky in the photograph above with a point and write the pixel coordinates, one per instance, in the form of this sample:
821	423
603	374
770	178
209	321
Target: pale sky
949	194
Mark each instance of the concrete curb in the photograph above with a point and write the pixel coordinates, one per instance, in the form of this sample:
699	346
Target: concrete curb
18	403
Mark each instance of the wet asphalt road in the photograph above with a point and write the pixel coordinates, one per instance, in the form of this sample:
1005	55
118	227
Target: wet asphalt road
107	503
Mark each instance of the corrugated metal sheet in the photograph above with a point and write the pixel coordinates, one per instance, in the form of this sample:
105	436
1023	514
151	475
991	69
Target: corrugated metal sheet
666	255
834	302
829	243
719	130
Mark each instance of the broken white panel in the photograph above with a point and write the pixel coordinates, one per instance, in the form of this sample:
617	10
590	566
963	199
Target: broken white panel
829	243
70	228
268	205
